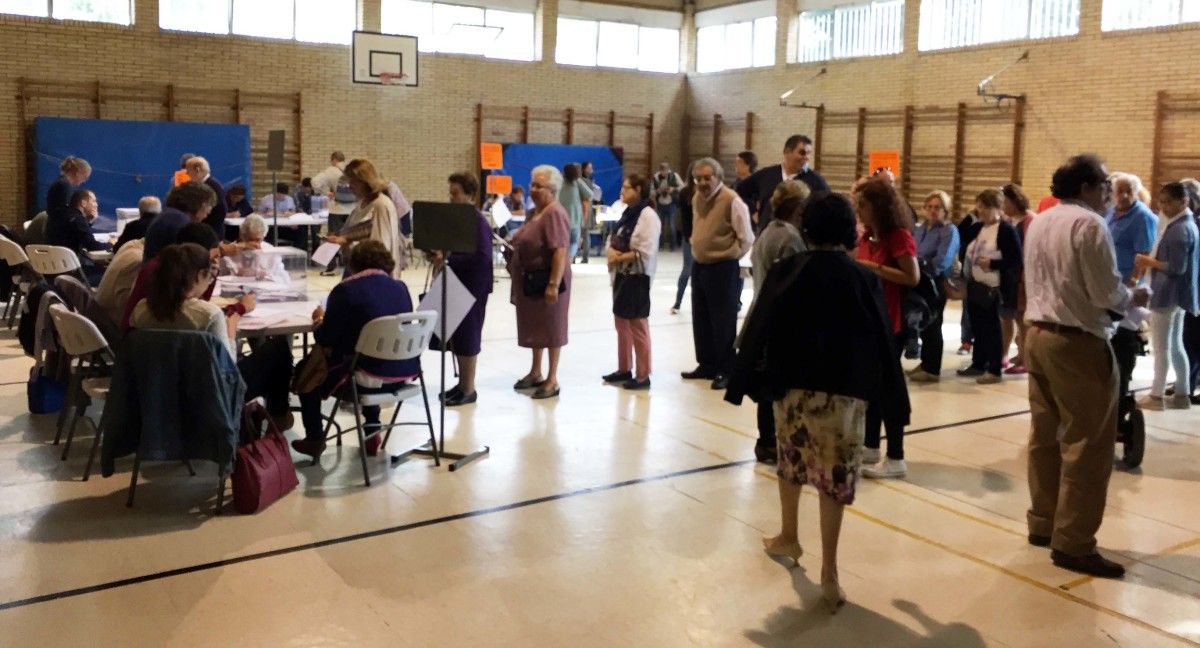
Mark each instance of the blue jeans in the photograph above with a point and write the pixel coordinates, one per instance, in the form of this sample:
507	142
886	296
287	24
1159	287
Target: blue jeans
685	274
666	213
574	246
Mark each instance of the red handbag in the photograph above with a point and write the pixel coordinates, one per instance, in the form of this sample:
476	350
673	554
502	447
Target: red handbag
264	471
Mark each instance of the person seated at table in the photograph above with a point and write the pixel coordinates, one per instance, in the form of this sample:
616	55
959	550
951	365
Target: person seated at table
304	195
176	300
149	207
119	278
281	199
74	231
236	201
368	293
248	262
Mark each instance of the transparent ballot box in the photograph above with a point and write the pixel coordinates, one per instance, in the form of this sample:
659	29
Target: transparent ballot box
275	274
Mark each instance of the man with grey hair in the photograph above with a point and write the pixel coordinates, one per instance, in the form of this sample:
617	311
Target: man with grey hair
149	207
721	234
199	171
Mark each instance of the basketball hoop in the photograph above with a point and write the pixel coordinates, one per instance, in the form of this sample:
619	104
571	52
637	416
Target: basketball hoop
390	78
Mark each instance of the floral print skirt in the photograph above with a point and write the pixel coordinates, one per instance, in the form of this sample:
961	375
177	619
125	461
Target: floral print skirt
820	440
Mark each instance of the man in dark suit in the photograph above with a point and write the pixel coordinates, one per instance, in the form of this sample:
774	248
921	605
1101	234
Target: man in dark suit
75	232
756	189
199	171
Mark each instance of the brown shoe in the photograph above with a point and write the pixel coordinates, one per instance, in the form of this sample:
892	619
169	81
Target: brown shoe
284	422
310	448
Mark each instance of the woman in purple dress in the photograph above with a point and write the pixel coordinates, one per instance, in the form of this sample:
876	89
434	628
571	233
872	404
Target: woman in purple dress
541	281
474	269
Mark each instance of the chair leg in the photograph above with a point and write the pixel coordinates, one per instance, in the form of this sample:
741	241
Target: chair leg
63	415
437	452
337	402
87	470
221	489
362	441
137	464
395	414
79	412
191	470
12	313
70	405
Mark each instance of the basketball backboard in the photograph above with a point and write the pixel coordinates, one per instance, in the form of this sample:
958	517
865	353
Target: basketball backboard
384	59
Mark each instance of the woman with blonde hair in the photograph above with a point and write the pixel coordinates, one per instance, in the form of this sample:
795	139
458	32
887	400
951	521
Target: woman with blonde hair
374	217
75	171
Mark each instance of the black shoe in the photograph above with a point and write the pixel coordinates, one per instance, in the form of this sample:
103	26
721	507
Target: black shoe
1194	399
699	373
1092	564
971	372
637	385
720	381
462	399
766	454
617	377
912	351
450	394
1039	540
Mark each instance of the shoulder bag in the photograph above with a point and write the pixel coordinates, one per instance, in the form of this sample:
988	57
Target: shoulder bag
263	471
631	292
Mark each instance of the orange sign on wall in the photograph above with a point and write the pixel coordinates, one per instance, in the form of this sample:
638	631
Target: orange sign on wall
885	159
491	156
499	184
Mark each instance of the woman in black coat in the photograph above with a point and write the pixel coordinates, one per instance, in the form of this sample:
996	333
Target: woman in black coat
991	254
818	343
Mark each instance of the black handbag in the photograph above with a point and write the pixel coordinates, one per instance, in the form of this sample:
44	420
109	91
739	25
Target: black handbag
631	296
534	282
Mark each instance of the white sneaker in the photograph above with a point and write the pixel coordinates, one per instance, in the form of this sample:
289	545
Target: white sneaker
871	456
886	469
1179	401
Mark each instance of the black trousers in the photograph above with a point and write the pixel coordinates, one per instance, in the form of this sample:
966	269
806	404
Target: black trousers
1125	346
875	422
267	371
985	323
766	425
715	292
1191	345
932	343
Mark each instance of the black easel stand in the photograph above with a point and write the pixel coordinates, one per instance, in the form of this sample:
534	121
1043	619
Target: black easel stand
450	228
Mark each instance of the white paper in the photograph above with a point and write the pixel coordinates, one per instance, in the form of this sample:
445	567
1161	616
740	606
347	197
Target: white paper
500	214
459	300
277	315
324	253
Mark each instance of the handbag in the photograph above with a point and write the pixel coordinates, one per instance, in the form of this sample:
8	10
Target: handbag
263	471
44	394
312	372
534	282
631	295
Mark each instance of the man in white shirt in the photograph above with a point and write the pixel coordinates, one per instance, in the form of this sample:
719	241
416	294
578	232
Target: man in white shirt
1074	293
326	184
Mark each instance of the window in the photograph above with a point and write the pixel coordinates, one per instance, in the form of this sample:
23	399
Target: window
870	29
118	12
458	29
736	45
309	21
615	44
1140	14
961	23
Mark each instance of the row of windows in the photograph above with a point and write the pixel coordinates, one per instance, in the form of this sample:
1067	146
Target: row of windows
864	29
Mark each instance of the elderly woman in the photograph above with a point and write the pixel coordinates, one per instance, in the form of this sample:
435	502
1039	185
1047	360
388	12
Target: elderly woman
992	263
778	240
1012	319
198	170
632	258
1173	279
368	293
573	194
474	269
937	248
374	217
820	373
249	261
541	280
887	249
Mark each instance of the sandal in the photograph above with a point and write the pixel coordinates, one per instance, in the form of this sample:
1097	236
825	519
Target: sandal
528	382
542	392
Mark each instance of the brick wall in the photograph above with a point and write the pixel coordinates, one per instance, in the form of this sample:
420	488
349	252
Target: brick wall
416	135
1093	92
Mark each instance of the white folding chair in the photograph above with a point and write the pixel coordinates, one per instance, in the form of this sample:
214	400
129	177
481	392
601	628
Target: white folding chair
89	381
15	257
49	260
395	337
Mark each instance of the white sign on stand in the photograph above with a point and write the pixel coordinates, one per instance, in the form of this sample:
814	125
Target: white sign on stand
459	301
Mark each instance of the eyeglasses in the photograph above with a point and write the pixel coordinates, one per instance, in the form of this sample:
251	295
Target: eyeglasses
703	178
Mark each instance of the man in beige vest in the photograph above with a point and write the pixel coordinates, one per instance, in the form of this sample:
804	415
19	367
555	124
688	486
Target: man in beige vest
721	234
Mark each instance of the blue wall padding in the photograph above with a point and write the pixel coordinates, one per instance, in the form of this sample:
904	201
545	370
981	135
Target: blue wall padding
608	172
131	159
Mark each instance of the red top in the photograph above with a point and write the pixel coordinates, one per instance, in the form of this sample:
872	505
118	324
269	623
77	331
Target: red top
885	251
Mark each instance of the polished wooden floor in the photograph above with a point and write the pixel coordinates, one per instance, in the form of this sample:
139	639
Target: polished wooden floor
602	518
